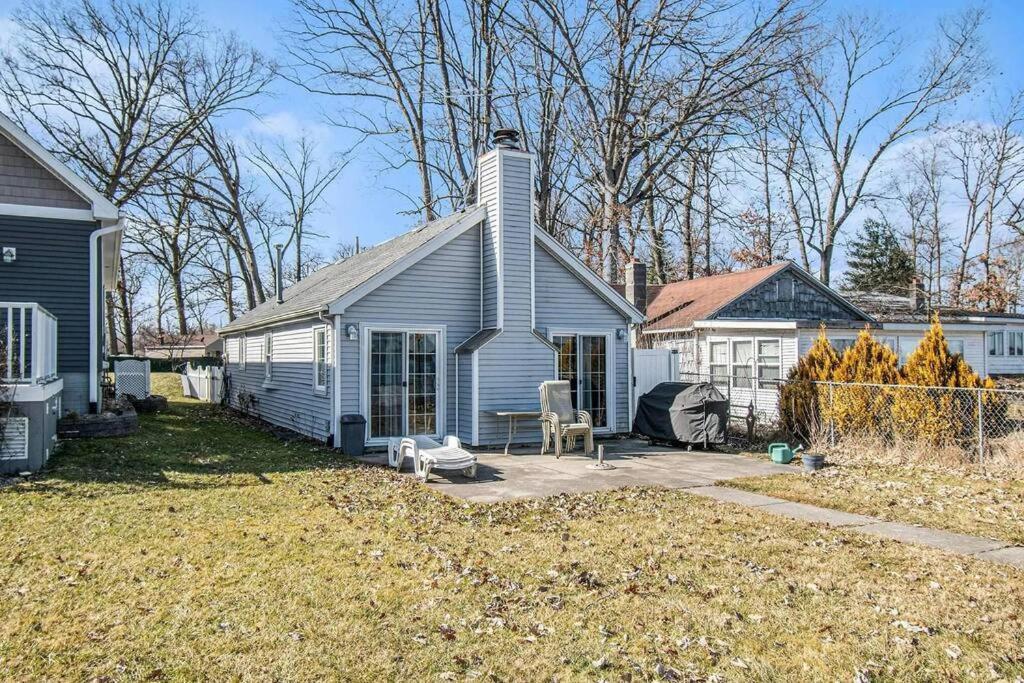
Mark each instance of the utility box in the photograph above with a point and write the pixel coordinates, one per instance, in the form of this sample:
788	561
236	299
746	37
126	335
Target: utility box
353	432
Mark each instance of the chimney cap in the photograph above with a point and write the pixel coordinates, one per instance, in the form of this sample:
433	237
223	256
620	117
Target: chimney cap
506	138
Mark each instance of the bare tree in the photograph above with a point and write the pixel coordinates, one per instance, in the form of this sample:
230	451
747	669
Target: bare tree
292	169
118	88
647	79
988	167
167	231
845	131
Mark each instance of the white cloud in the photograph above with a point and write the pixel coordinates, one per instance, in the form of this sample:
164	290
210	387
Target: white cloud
288	125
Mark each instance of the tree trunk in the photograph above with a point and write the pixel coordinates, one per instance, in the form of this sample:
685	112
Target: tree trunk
126	313
111	327
689	242
610	236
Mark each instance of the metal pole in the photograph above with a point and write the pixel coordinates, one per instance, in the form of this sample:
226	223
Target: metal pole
831	417
981	427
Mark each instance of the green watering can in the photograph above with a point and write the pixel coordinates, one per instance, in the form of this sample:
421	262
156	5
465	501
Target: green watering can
781	453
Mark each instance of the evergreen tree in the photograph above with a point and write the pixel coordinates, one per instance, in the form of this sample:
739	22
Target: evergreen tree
877	263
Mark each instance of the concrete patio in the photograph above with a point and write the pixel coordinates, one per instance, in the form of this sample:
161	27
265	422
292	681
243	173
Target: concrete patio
524	473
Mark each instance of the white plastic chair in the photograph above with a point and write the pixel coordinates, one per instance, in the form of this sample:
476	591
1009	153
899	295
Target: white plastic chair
560	421
427	454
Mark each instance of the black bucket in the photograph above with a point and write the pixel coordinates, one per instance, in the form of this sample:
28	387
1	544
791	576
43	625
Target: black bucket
813	461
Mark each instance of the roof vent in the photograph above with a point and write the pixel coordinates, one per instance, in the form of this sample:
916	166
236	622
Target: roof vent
506	138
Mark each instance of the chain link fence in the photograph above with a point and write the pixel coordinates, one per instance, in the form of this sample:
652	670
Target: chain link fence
978	425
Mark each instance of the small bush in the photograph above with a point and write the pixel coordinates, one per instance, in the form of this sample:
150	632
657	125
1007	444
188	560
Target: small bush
863	408
938	415
799	401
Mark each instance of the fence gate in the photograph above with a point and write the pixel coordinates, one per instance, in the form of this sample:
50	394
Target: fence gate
205	384
651	367
131	377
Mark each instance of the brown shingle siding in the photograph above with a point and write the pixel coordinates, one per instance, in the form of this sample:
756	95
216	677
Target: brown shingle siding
24	181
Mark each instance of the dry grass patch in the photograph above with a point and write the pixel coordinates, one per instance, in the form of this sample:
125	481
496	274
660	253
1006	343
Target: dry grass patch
964	500
201	548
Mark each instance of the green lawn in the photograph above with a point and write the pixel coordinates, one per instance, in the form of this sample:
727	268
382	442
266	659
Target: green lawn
965	502
201	548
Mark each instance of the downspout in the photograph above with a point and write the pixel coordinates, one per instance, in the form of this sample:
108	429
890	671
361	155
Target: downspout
96	308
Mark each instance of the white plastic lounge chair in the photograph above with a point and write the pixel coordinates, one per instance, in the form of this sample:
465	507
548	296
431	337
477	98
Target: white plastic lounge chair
427	454
560	421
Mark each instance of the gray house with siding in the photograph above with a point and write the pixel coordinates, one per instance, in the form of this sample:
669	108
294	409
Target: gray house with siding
437	330
59	240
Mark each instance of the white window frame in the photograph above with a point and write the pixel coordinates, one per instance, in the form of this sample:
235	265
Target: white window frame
319	388
848	341
992	335
611	370
758	364
730	365
365	331
950	341
727	365
733	364
1011	346
268	357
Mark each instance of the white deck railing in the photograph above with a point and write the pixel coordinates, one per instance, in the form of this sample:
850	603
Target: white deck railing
28	343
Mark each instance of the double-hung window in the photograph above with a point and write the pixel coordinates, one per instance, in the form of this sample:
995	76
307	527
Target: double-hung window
718	355
268	356
956	346
996	344
1015	345
743	364
320	368
769	363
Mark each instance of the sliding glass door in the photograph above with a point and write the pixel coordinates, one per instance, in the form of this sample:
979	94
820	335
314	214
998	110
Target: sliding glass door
403	388
583	361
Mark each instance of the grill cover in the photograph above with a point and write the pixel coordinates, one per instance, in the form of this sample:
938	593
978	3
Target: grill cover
683	411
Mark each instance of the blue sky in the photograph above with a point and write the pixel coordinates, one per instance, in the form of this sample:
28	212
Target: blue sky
365	203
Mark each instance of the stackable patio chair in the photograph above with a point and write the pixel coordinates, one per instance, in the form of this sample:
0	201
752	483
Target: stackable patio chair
427	454
561	422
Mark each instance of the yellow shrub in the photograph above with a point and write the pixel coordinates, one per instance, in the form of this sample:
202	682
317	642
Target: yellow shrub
857	408
799	400
937	414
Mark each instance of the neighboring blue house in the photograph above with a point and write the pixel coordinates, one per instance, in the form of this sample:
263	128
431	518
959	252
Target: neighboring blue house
436	330
59	240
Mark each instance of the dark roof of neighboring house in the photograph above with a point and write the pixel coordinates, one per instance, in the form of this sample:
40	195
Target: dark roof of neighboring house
896	308
679	304
315	292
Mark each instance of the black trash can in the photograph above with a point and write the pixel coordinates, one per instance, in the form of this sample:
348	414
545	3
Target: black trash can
353	432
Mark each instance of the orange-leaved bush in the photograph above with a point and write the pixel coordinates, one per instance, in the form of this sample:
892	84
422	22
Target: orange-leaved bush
933	406
800	399
852	406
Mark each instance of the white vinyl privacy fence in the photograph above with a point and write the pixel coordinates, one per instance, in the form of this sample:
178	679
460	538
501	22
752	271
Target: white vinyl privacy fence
204	384
131	377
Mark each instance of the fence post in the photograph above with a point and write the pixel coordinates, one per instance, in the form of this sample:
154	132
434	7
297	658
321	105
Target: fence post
831	417
981	427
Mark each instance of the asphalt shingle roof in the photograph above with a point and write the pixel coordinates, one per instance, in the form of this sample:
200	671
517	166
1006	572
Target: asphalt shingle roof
318	290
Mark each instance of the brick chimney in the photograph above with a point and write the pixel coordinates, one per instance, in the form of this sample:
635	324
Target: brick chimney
917	295
636	285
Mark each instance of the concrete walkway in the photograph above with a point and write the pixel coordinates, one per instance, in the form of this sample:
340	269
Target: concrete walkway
527	474
961	544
